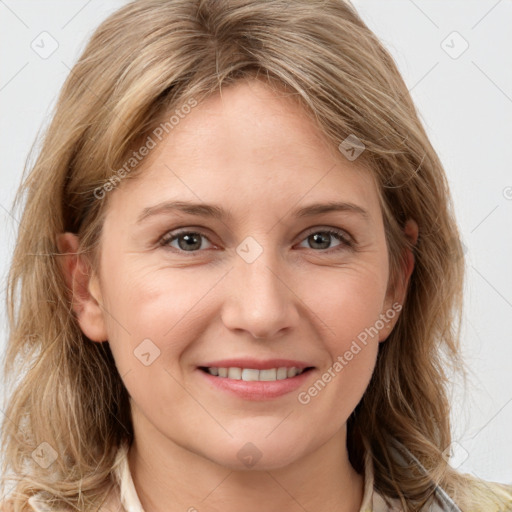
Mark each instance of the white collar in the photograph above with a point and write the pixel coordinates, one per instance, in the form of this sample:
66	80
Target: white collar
127	493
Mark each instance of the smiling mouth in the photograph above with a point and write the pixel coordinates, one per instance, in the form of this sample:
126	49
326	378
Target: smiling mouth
254	375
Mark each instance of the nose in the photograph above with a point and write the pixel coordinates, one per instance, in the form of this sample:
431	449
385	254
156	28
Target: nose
260	297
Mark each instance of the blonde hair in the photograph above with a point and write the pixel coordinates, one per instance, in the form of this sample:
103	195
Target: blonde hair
146	60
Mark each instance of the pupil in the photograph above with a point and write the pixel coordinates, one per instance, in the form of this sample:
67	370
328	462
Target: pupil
193	238
317	238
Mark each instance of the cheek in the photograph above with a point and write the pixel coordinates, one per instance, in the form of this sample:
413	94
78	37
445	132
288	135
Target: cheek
151	323
347	309
163	303
347	305
346	301
169	307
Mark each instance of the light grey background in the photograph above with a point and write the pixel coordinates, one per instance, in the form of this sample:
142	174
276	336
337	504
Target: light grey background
465	103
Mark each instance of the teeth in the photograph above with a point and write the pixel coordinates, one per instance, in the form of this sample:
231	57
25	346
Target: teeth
282	373
250	374
268	374
235	373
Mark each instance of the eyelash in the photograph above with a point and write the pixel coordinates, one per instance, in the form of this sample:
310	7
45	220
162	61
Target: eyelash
346	241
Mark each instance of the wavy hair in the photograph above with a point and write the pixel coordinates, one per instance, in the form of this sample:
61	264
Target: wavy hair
147	60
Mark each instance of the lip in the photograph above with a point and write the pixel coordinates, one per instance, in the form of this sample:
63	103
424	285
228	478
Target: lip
256	364
256	390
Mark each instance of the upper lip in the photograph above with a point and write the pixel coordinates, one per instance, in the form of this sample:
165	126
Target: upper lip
256	364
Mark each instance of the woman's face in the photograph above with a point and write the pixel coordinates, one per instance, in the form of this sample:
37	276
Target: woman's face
243	275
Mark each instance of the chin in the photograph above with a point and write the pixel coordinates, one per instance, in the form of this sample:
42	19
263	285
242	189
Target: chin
257	455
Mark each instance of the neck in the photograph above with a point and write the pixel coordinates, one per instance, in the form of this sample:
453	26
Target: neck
170	478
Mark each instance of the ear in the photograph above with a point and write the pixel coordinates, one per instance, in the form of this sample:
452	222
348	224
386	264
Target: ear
83	287
398	296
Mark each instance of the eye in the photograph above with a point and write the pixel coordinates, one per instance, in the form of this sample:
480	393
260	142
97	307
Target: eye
321	239
187	241
192	241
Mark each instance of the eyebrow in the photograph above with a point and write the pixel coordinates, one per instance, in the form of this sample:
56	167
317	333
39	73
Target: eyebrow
217	212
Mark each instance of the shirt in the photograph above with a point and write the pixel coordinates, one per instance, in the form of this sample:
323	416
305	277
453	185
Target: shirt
125	498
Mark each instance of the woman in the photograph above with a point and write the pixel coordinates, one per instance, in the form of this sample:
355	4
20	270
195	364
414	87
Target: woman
186	343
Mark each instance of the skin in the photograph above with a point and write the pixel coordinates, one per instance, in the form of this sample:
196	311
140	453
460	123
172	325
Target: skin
258	156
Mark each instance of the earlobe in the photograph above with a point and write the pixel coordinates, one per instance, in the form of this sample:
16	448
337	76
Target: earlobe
83	287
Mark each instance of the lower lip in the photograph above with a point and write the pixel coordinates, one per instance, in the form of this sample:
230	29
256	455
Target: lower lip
257	390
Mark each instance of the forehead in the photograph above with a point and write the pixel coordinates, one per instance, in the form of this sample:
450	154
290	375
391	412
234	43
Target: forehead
249	146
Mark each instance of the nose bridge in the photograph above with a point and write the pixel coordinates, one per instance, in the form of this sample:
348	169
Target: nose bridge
260	300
